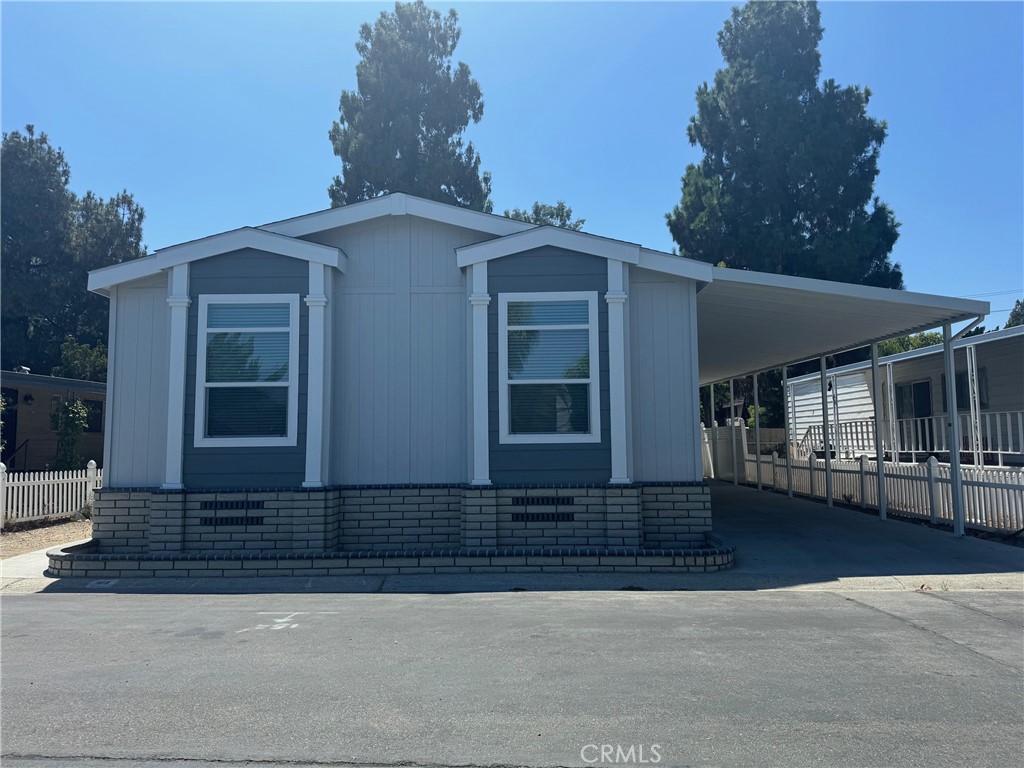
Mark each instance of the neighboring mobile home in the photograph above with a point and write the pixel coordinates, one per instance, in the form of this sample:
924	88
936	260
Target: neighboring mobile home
403	377
989	394
30	419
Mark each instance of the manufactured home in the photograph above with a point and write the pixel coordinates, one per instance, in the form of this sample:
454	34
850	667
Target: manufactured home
989	370
400	385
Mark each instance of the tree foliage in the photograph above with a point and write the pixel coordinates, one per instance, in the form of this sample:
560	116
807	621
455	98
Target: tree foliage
82	361
557	215
907	343
1016	315
72	419
51	238
402	129
789	166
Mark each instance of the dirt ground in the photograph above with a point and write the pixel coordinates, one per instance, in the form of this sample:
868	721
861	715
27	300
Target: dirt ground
51	535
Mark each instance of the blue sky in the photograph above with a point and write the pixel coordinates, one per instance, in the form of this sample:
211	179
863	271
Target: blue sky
216	115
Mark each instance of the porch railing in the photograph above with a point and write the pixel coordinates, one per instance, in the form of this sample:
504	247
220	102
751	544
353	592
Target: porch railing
1000	436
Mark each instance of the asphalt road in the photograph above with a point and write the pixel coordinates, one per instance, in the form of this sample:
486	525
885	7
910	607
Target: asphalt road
788	678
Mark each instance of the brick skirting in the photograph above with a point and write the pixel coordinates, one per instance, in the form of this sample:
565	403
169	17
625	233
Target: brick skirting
431	518
85	560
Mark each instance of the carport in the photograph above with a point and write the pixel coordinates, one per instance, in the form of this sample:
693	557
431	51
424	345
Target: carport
752	322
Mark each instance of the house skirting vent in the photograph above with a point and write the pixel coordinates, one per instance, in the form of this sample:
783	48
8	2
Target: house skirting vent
542	501
234	504
236	521
542	517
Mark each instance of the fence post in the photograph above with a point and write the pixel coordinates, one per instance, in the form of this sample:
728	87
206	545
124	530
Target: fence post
90	472
933	488
811	464
863	481
3	495
775	459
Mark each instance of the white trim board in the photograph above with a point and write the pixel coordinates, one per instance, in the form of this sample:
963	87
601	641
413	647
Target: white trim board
396	204
101	280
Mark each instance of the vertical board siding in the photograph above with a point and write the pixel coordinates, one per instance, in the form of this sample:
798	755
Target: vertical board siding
245	271
548	269
399	353
138	412
663	390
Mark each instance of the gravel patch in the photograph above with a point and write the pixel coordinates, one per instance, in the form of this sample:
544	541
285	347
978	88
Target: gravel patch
59	532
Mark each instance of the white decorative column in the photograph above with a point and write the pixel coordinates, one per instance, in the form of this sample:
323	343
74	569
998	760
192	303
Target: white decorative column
479	300
616	300
179	301
953	430
316	387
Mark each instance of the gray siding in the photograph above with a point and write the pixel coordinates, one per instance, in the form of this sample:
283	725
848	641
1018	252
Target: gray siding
245	271
548	269
399	353
136	421
663	370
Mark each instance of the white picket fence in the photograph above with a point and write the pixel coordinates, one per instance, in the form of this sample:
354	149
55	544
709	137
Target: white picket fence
39	495
993	498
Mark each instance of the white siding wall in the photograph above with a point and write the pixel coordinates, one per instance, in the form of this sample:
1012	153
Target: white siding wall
663	383
136	428
399	338
854	395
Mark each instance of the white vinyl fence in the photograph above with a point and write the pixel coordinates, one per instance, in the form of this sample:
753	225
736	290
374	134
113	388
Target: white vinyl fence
38	495
993	497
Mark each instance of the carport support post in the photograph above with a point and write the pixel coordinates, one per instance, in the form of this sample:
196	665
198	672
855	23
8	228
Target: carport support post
953	424
876	395
757	433
827	442
732	432
714	434
785	424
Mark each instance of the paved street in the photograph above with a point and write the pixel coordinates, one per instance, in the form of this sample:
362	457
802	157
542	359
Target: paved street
774	678
838	640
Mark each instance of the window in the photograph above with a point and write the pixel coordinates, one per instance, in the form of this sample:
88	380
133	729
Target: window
94	409
962	401
548	385
247	364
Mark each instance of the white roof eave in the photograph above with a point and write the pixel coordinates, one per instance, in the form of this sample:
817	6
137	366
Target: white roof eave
101	280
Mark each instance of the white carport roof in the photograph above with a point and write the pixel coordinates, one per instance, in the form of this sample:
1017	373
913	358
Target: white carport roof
753	321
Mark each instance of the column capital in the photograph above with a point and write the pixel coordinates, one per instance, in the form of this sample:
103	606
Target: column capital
480	299
316	301
616	297
179	301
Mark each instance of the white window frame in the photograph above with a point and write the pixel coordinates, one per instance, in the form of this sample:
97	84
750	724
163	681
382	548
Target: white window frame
505	435
205	300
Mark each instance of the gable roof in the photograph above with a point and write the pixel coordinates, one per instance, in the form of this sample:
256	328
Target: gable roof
101	280
583	242
397	204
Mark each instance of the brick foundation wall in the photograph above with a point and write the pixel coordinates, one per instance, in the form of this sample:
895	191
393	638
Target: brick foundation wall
431	518
675	515
374	519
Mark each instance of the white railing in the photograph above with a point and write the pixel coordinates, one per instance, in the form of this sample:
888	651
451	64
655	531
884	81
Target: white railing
993	497
852	438
39	495
1000	435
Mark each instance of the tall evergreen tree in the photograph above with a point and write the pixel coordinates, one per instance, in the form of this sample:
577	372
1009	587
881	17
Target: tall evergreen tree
51	238
402	129
786	182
